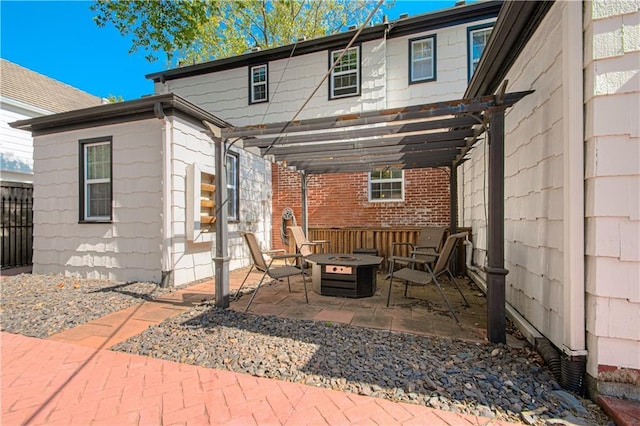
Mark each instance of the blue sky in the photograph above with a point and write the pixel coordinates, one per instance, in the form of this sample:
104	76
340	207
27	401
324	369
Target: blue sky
60	40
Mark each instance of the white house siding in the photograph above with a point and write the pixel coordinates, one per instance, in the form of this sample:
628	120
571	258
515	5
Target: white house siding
16	146
385	82
451	67
533	184
612	183
129	248
193	260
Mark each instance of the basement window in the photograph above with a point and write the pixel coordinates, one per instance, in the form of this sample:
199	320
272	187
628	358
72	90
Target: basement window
386	185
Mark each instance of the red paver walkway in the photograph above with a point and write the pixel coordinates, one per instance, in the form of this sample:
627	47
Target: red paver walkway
49	382
623	412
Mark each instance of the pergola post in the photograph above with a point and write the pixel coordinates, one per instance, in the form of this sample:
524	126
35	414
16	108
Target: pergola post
453	212
453	198
496	272
303	189
221	259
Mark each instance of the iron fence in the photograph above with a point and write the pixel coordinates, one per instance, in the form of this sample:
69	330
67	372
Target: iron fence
17	224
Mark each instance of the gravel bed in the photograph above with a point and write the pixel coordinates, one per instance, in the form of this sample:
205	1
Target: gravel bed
42	305
486	380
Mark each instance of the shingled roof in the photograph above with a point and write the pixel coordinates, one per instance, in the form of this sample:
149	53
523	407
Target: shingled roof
29	87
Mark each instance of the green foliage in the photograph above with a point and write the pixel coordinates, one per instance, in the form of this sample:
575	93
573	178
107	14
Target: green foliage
114	99
201	30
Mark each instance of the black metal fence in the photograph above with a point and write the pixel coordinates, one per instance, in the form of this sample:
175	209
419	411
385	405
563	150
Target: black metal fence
17	224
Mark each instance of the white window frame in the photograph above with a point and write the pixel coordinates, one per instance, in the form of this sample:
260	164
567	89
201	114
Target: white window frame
233	186
333	55
253	84
412	61
388	180
473	62
87	182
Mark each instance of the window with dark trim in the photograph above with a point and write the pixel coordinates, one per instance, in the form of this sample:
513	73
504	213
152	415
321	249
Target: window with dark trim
386	185
95	180
258	84
233	186
477	38
345	76
422	59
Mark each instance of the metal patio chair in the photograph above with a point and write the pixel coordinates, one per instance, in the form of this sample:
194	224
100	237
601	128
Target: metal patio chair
411	275
275	272
306	247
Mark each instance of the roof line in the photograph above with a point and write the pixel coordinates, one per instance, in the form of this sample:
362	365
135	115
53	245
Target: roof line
401	27
116	112
517	21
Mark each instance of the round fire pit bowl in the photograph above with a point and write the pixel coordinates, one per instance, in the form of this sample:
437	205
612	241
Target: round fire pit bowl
344	258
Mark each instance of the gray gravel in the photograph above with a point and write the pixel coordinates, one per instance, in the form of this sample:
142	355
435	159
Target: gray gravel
481	379
42	305
487	380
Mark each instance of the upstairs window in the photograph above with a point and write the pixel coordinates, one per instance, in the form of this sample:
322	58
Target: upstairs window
233	180
422	57
258	84
386	185
345	76
477	38
95	180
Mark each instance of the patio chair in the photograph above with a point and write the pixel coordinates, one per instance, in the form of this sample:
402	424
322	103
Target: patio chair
427	246
411	275
304	246
275	272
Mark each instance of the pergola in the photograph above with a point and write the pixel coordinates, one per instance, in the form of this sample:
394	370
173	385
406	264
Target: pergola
440	134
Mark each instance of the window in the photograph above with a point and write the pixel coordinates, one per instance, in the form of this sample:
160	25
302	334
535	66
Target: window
258	84
233	179
386	185
345	77
422	57
477	38
95	180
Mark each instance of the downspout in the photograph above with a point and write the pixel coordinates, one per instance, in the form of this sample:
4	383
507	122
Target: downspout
574	345
167	198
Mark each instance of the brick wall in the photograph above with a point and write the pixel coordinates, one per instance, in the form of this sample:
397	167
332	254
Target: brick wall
342	200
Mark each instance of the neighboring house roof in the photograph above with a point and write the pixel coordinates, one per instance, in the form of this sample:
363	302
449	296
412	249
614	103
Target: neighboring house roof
144	108
25	86
424	22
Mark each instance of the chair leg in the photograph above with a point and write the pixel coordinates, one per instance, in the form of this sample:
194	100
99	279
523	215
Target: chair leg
435	281
255	292
456	284
289	284
243	281
304	282
390	285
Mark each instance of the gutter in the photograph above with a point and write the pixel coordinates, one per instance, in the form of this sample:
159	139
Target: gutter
119	112
401	27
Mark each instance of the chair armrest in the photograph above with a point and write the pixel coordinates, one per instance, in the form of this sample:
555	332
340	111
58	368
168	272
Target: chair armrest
432	255
274	251
430	249
286	256
393	246
409	260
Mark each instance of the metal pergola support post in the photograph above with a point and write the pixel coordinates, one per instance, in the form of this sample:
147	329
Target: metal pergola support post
496	272
453	198
221	259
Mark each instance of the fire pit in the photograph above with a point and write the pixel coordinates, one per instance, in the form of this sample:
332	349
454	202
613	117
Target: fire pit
344	275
